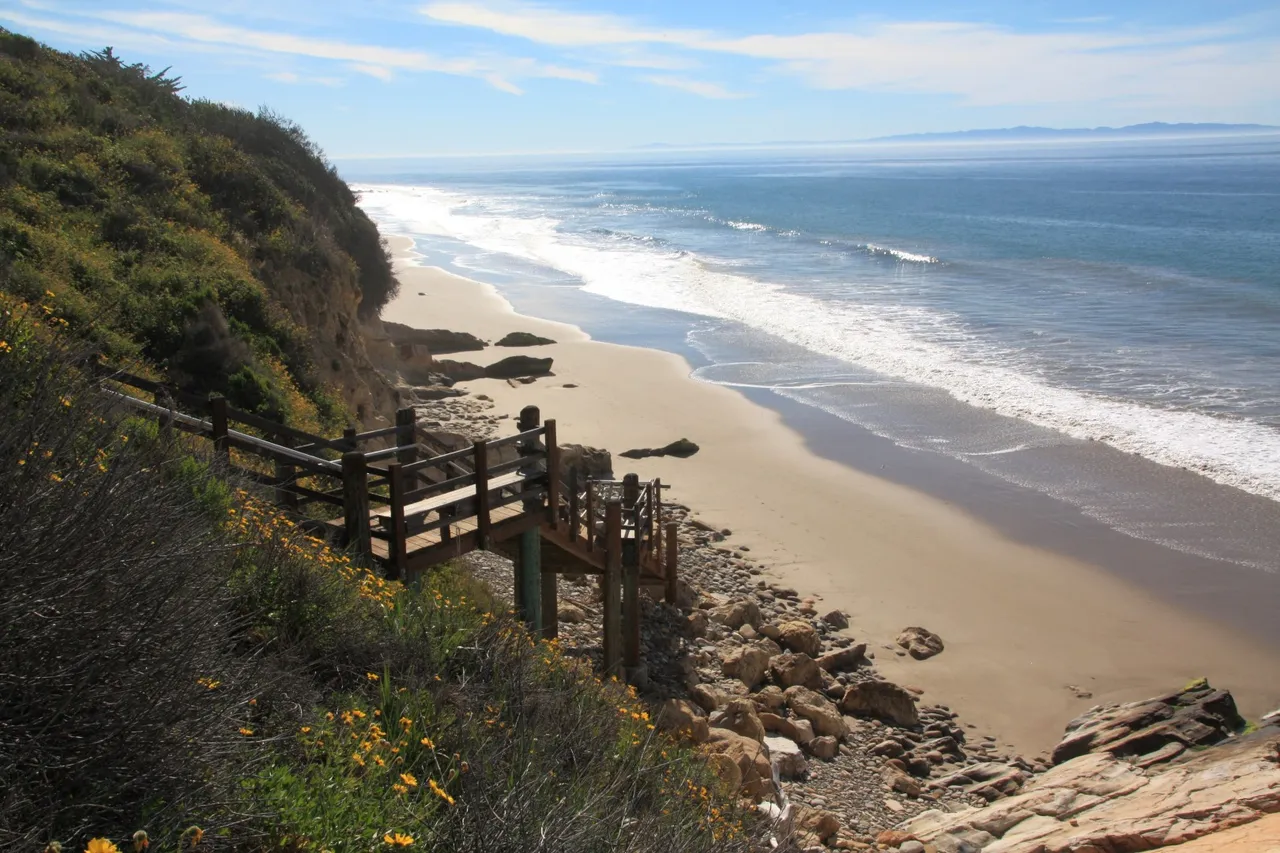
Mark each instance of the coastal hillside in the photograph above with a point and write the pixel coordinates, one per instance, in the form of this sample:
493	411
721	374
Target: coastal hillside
182	667
211	243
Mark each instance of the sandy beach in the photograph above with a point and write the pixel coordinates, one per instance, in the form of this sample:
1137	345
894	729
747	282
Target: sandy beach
1023	625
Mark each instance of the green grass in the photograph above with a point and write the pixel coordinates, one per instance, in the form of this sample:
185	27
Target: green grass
178	654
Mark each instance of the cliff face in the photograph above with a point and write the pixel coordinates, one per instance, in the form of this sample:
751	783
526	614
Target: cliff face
213	244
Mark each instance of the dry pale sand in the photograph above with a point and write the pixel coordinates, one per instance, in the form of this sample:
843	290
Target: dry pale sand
1020	623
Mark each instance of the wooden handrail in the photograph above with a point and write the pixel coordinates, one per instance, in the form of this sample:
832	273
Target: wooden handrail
518	437
436	461
234	438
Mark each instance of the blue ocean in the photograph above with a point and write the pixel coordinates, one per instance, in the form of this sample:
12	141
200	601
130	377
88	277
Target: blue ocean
1081	320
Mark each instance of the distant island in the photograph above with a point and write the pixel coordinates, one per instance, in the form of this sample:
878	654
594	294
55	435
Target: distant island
1014	134
1150	130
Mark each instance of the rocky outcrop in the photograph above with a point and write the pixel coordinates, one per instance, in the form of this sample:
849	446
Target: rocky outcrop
680	448
435	341
592	462
920	643
1099	802
458	371
523	339
883	701
1197	715
516	366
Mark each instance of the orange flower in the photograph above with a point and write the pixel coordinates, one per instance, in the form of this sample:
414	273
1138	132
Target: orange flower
398	839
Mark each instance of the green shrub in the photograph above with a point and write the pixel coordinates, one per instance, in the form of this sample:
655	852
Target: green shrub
148	208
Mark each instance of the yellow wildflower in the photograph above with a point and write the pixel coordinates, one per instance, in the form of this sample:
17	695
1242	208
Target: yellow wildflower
101	845
372	676
246	732
399	789
398	839
428	743
439	792
409	779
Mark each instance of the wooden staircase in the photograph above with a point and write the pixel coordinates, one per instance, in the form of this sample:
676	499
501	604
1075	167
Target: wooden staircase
408	509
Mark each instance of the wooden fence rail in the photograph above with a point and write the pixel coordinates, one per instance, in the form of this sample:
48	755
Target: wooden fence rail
423	508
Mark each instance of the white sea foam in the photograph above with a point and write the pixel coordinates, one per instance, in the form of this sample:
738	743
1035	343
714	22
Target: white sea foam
910	257
747	226
901	342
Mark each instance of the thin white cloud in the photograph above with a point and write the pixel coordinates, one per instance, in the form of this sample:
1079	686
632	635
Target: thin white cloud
549	26
379	71
180	29
982	64
694	87
292	78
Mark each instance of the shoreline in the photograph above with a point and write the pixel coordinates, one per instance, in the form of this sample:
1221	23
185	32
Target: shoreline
1022	623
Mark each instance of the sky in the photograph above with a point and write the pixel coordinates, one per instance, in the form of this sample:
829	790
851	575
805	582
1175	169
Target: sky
400	78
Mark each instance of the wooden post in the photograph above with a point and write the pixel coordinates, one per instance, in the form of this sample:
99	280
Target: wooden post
285	495
631	607
355	501
529	580
631	511
481	451
672	559
407	436
612	587
529	419
398	548
591	517
655	519
575	524
553	474
655	512
349	443
218	417
550	607
164	397
630	490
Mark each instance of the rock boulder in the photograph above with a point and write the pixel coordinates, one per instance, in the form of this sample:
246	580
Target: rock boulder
516	366
739	716
920	643
751	757
882	700
790	669
799	636
1197	715
820	711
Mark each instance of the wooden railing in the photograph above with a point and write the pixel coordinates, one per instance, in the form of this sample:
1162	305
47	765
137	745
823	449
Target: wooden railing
410	509
390	498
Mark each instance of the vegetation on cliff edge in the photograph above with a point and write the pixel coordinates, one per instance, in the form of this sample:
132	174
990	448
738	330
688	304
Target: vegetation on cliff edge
183	233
